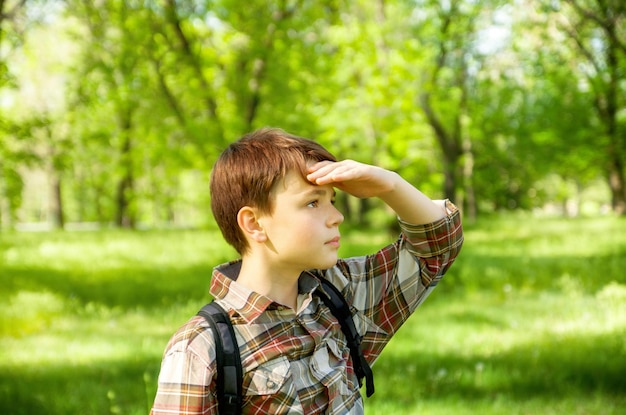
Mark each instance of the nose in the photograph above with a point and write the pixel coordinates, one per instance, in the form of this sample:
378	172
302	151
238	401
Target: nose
336	217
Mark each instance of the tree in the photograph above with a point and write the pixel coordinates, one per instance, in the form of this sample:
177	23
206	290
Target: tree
9	32
155	89
10	182
204	73
18	19
596	28
445	92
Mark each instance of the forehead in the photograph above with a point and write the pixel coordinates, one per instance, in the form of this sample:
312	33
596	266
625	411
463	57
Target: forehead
294	184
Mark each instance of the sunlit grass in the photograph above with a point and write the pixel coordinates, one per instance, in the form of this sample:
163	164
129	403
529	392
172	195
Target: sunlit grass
542	254
112	249
524	354
530	320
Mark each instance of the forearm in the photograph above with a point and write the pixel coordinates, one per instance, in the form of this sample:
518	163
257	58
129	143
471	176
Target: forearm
409	203
362	180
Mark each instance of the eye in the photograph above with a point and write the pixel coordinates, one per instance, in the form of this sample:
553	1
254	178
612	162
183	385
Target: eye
313	203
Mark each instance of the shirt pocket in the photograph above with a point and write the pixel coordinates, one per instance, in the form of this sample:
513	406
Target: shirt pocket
329	366
270	377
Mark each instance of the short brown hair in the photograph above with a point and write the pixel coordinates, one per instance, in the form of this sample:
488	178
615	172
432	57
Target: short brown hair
247	171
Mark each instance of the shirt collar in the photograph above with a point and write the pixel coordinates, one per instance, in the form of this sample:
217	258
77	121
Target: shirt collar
243	301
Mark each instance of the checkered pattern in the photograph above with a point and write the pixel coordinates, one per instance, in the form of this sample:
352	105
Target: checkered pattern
298	362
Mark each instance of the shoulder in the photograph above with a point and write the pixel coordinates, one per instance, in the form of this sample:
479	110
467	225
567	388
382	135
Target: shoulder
194	339
188	364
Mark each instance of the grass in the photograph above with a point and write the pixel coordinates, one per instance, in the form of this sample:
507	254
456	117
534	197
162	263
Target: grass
530	320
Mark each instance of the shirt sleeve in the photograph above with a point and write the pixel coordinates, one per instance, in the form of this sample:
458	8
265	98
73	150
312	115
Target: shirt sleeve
187	371
385	288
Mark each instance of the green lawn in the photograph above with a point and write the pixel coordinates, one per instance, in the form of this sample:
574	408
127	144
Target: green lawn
530	320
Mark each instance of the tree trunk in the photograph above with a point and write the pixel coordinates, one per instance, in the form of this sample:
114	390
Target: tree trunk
449	148
6	222
364	208
616	161
196	65
259	66
616	183
56	202
469	204
607	17
125	188
124	217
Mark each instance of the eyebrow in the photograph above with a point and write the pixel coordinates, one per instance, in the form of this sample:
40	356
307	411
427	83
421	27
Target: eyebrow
320	192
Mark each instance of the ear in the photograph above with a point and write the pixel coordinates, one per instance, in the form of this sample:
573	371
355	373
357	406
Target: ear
248	221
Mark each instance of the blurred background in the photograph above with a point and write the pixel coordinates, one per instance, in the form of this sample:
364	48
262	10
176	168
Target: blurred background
113	112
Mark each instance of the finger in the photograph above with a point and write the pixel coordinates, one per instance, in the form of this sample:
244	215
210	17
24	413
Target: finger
320	169
318	165
336	173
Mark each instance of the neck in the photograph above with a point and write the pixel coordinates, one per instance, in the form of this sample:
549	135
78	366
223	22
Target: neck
280	285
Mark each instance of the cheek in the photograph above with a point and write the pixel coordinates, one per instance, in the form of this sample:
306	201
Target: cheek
305	230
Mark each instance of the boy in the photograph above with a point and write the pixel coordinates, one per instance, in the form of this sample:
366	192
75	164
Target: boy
272	195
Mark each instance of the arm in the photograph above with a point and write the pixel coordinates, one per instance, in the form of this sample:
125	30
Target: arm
363	180
187	373
388	286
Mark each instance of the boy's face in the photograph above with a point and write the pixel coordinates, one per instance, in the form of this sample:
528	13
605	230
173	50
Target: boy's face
303	230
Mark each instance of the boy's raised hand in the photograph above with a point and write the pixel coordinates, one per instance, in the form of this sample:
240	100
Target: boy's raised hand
364	180
358	179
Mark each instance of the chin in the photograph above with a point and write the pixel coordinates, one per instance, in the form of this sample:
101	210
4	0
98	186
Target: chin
327	264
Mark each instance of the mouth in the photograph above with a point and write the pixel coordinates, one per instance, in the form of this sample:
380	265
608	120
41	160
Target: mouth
334	242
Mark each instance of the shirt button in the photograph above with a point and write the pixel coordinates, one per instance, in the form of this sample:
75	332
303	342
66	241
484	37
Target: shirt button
270	384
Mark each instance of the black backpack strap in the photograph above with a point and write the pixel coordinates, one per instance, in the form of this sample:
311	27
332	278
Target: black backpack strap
335	301
229	372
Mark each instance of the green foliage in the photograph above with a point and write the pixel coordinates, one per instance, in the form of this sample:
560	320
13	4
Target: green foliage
530	319
479	101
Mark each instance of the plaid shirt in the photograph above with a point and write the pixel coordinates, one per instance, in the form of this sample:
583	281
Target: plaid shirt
298	362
